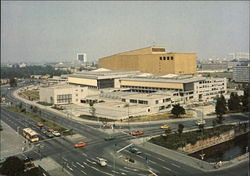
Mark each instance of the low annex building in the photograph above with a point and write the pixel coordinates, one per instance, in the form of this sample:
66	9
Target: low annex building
153	60
62	94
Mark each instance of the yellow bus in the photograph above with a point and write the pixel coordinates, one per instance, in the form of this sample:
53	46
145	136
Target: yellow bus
30	134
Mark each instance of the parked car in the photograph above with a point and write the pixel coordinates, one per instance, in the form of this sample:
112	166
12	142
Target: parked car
200	122
164	126
43	130
80	144
50	130
56	133
102	162
137	132
49	134
134	150
109	138
40	124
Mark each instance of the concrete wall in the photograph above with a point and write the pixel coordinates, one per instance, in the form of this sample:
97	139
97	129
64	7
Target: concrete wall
82	81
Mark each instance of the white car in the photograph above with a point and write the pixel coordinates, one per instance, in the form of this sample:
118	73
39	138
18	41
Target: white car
102	162
56	133
200	122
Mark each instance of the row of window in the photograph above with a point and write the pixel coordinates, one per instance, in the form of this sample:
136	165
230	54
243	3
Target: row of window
64	98
167	58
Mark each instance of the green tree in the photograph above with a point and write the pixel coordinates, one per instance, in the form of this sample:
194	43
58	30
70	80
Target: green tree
13	82
220	108
180	128
13	166
177	110
245	99
168	131
234	102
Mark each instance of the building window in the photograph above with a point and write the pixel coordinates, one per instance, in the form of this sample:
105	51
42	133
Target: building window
133	101
172	58
160	58
164	58
167	58
156	101
123	100
76	95
64	98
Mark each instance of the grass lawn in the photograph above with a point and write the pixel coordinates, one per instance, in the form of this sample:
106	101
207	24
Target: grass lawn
174	140
30	94
162	116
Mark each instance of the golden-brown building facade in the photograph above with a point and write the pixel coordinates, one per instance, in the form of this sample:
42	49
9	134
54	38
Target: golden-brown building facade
153	60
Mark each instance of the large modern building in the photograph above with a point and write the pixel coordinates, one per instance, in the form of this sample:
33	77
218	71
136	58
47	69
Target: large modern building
98	79
153	60
241	74
186	87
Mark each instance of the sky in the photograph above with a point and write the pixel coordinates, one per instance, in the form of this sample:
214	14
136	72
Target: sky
36	31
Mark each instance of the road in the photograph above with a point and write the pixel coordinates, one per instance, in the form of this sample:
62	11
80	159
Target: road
82	161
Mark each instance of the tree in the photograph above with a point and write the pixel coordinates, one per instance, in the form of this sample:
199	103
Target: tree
13	166
13	82
220	108
180	128
245	99
234	102
92	109
177	110
168	131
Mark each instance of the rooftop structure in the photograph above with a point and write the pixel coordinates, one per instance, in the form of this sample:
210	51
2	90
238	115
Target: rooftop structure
153	60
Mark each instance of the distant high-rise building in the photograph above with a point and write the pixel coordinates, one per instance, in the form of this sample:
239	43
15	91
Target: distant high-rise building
82	57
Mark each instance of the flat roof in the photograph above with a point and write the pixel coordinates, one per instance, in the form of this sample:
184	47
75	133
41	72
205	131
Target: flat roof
164	80
146	96
61	86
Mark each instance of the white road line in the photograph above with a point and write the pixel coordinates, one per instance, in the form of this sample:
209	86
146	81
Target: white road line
166	168
80	165
115	172
175	165
83	172
123	173
152	162
84	154
69	168
130	169
91	161
73	165
161	159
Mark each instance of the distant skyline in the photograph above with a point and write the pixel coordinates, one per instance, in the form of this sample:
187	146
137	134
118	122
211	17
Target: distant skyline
36	31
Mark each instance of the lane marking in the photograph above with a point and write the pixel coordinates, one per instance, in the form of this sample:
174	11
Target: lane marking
83	172
69	168
152	162
166	168
175	165
84	154
161	159
80	165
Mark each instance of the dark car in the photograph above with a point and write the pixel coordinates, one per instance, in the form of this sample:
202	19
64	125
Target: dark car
134	150
49	134
109	138
43	130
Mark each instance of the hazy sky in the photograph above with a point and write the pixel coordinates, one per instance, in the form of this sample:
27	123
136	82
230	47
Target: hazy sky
56	31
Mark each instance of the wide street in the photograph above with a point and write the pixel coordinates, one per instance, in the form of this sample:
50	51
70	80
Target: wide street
82	161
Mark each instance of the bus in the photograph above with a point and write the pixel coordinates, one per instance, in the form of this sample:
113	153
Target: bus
30	134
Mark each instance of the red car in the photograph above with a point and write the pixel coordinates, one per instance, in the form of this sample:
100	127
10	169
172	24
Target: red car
40	124
80	144
137	132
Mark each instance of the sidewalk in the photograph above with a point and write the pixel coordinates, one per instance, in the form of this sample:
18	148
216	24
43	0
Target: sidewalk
12	143
52	167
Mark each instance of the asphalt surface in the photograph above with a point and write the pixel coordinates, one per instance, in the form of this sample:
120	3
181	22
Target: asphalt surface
82	161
